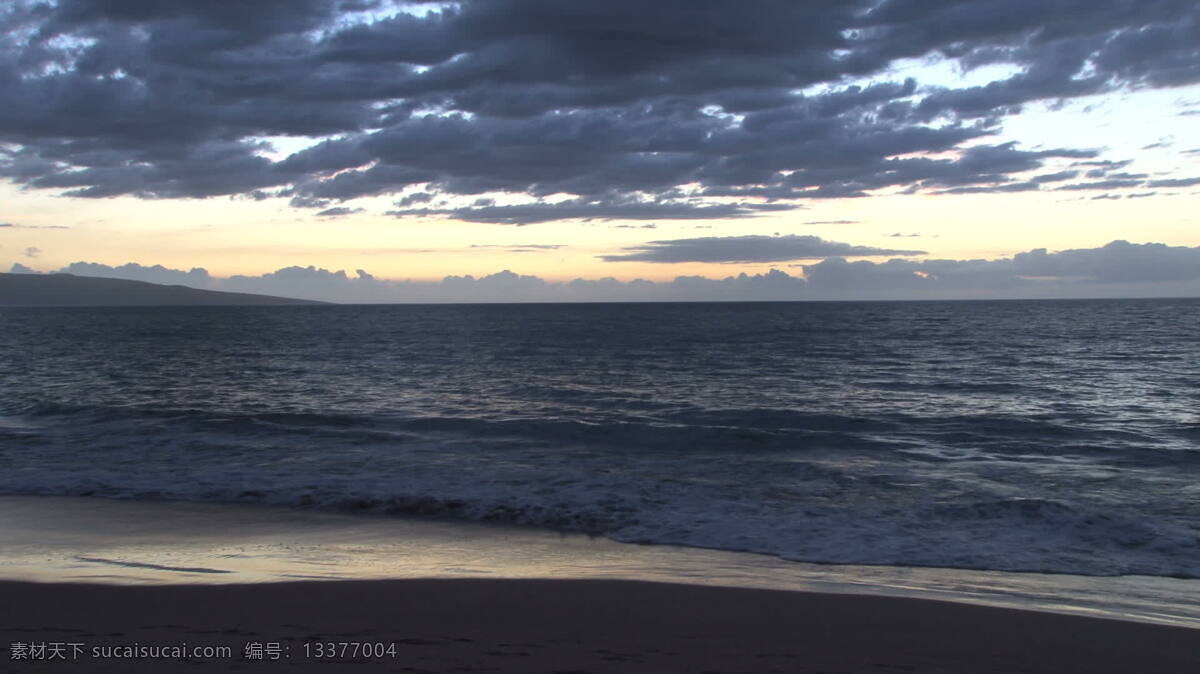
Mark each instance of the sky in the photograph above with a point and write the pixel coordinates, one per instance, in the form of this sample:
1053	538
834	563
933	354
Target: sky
576	150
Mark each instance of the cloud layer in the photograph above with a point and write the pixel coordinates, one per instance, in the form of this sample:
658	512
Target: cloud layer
632	110
747	249
1118	269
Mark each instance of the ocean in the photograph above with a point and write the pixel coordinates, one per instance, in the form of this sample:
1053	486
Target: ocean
1041	436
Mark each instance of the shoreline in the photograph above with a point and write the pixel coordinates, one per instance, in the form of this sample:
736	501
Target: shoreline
55	539
592	626
95	578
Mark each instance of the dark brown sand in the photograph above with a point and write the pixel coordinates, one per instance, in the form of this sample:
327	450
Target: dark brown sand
591	626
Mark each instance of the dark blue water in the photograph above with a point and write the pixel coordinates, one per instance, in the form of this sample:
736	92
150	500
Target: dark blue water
1046	436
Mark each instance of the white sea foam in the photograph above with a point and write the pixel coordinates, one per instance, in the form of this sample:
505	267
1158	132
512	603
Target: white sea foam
815	506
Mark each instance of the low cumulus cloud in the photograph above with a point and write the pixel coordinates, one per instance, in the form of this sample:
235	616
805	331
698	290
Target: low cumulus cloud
632	113
311	283
197	277
1117	269
1117	262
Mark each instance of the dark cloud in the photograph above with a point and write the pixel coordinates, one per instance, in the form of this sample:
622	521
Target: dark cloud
993	189
1175	182
415	198
521	246
746	249
32	251
980	168
16	226
631	110
1054	177
612	208
1104	165
1063	48
339	211
1102	185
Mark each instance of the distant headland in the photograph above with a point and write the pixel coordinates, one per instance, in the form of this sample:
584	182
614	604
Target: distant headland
68	290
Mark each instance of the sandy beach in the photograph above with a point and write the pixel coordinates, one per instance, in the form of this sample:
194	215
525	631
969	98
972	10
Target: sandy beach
564	626
87	580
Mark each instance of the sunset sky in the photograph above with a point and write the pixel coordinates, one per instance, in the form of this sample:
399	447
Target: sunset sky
826	149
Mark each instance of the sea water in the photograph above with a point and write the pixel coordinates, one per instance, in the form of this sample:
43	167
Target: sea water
1047	436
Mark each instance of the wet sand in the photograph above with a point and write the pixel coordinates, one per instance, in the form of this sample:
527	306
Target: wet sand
578	626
